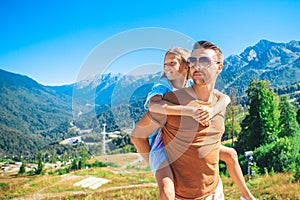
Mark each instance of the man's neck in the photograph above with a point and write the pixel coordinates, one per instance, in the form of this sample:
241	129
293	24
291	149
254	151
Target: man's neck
204	92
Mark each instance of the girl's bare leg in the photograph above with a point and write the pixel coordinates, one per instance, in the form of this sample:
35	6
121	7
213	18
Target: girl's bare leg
165	182
229	156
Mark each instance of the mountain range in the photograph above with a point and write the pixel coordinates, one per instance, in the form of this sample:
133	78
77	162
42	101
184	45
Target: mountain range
33	115
279	63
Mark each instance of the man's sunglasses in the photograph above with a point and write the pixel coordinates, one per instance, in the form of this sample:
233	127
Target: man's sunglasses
203	61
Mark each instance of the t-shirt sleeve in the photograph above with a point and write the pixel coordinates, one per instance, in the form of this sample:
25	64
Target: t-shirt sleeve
161	119
160	88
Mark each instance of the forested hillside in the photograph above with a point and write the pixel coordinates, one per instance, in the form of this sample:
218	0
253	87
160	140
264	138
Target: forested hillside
28	112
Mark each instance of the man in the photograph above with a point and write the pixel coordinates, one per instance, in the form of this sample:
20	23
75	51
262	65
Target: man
192	149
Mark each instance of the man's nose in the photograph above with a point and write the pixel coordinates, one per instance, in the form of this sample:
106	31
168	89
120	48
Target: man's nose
197	65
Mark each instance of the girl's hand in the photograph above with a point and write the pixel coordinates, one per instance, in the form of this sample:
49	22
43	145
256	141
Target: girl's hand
203	115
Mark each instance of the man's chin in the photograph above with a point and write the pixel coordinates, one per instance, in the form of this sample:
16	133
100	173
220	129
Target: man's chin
199	82
202	81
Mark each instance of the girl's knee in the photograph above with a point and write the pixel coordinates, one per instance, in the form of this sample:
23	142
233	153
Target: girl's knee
232	153
166	188
229	155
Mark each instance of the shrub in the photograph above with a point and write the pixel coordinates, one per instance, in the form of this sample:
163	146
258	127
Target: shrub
62	171
22	168
297	175
96	164
278	156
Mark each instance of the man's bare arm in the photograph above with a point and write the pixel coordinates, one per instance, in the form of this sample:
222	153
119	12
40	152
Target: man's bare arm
139	137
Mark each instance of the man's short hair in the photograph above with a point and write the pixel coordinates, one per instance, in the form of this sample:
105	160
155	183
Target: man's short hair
209	45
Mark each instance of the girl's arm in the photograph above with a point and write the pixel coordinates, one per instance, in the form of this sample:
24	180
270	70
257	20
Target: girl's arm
205	113
202	113
222	103
158	105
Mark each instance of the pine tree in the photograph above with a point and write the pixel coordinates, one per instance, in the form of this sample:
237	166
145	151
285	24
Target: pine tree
298	115
74	165
260	125
232	126
22	168
40	165
288	123
81	164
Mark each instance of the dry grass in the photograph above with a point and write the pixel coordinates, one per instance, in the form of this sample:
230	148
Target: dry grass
142	193
130	183
123	159
278	186
18	186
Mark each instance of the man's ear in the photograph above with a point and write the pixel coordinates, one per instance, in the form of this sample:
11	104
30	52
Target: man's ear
220	67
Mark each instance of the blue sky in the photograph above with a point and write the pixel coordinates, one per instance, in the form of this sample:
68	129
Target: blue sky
50	40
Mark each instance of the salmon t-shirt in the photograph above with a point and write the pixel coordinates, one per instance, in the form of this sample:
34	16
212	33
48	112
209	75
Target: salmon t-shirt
192	149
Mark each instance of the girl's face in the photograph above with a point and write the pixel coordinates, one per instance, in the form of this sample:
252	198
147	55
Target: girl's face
173	67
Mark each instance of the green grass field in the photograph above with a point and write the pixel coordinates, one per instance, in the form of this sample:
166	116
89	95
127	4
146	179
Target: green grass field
130	182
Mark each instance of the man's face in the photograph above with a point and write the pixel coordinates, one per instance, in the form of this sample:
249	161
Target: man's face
173	67
203	75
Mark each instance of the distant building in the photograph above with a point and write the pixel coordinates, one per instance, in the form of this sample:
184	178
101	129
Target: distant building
72	140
